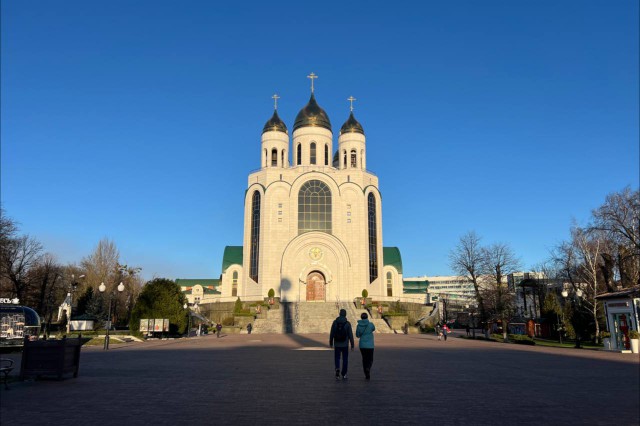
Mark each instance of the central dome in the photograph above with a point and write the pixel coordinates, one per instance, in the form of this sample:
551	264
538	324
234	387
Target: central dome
312	116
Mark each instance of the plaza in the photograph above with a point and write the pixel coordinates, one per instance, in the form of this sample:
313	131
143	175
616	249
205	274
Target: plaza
274	378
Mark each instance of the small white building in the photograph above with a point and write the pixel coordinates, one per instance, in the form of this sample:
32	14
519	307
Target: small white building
622	311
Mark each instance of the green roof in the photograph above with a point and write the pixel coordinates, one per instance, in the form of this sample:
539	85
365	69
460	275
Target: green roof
415	286
204	282
391	256
232	256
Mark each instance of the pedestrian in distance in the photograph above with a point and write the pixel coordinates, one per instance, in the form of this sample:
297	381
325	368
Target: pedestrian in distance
364	331
445	331
439	331
340	337
218	329
468	330
249	328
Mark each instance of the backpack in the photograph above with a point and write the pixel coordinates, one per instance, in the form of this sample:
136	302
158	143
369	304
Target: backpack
341	332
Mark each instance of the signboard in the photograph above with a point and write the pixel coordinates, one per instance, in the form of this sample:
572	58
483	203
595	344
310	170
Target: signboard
157	327
144	325
150	327
165	326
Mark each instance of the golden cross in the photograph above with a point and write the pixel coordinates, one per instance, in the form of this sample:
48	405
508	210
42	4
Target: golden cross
351	99
275	98
312	76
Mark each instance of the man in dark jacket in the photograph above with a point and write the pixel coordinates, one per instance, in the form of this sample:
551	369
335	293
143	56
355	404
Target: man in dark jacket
339	339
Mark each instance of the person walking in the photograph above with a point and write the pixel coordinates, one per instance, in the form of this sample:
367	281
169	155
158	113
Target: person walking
340	337
218	329
249	328
439	331
468	330
445	331
364	331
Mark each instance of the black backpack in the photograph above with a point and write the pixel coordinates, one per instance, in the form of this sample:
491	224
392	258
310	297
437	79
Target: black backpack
341	332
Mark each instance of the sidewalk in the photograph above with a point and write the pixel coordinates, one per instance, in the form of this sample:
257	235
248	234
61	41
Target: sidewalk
269	379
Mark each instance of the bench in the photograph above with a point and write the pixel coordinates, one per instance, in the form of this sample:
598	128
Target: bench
6	366
51	358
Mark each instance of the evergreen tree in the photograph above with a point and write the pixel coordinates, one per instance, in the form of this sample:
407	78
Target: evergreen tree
160	298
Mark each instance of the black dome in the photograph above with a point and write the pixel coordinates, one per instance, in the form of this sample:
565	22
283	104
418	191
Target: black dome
275	124
312	116
351	125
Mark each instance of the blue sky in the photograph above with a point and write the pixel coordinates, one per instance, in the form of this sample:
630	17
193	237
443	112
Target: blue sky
140	121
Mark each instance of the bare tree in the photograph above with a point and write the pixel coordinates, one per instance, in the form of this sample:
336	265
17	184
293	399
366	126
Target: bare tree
466	260
498	261
618	223
17	256
102	265
588	250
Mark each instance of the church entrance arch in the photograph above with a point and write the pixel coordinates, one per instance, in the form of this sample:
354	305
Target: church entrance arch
315	287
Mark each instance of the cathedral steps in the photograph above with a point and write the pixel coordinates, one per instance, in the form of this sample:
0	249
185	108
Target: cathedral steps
310	317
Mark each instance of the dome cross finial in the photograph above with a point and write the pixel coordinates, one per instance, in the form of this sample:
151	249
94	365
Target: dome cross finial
351	99
312	76
275	98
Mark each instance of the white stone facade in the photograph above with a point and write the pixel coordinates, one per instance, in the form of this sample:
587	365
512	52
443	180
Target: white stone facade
335	262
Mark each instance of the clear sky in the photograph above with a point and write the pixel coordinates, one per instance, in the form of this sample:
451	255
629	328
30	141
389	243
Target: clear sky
140	120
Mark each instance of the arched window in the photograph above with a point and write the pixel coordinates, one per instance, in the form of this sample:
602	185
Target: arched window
274	157
299	155
362	159
373	239
234	284
255	235
282	159
389	284
266	158
313	153
354	159
326	155
344	159
314	207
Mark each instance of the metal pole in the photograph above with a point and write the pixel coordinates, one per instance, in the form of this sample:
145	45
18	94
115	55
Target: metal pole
106	337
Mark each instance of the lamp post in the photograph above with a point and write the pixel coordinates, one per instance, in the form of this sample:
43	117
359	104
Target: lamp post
186	306
72	290
576	297
102	289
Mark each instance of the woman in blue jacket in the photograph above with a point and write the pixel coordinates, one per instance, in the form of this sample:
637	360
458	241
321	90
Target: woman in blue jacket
364	331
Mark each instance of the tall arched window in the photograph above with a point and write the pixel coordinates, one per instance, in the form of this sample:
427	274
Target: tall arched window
282	159
299	155
314	207
373	239
266	158
354	159
313	153
389	284
344	159
234	284
274	157
326	155
255	235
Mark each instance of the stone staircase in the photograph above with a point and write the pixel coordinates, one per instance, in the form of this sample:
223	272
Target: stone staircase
310	317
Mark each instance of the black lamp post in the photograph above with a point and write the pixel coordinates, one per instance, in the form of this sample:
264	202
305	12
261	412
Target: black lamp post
72	290
576	300
102	289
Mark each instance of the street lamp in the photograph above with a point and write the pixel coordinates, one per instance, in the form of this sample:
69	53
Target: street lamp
186	306
102	289
575	301
72	290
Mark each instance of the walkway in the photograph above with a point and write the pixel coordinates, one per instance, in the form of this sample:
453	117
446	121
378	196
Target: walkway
269	379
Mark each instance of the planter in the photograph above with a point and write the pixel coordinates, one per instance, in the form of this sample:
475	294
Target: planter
634	345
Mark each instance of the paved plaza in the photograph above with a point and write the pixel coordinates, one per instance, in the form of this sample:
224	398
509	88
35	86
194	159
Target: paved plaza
288	379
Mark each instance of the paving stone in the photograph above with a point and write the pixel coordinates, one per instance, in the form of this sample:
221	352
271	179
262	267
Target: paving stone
266	379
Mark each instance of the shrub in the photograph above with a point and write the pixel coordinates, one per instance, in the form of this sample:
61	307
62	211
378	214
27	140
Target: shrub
365	293
227	321
237	308
633	334
605	334
271	293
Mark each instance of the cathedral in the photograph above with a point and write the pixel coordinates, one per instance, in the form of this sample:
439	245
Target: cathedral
312	219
